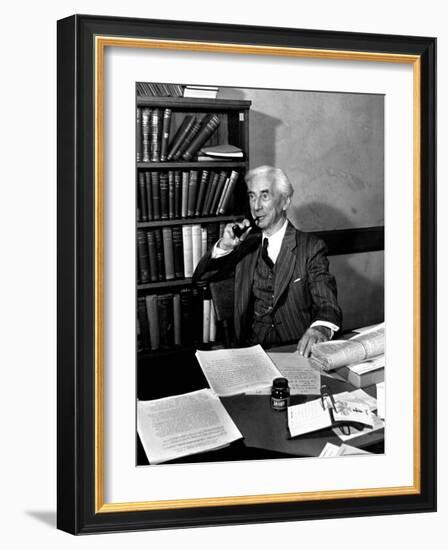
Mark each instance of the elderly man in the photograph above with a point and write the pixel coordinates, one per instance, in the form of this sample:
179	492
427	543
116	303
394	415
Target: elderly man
283	289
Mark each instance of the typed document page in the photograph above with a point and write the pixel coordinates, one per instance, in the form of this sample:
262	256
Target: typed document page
302	378
182	425
237	370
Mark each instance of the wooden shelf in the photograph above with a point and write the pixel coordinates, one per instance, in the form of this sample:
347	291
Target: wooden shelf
197	103
164	284
189	221
196	165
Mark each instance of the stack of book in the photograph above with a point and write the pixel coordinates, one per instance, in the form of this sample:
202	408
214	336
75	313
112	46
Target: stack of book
224	151
159	89
155	142
205	92
364	374
175	194
175	319
172	253
359	360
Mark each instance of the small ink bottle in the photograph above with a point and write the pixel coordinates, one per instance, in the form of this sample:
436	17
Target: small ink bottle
279	394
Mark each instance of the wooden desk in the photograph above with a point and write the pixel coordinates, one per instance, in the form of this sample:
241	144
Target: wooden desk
265	431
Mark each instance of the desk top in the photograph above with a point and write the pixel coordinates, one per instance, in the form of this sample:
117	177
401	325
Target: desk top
266	433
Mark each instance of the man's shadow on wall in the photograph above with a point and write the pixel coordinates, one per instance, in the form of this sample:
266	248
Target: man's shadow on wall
359	276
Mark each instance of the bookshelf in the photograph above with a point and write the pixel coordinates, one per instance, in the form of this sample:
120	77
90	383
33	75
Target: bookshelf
183	205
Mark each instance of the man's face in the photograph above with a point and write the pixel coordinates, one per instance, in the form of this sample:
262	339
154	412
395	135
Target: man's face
267	205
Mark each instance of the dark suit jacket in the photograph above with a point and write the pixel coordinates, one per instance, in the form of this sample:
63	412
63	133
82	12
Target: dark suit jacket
304	289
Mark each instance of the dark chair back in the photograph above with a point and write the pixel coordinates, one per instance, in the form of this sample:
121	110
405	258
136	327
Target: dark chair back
222	293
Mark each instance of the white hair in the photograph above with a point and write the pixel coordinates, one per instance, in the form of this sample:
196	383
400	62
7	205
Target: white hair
273	175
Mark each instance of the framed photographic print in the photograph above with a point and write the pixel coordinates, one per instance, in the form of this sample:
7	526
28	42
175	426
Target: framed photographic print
246	274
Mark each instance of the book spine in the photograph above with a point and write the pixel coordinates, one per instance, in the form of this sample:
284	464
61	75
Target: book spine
223	193
142	197
152	311
165	134
192	192
148	187
185	184
212	322
222	226
164	199
196	237
143	321
210	193
204	234
205	321
177	194
187	139
155	187
186	311
212	234
159	254
168	253
155	135
138	136
171	195
188	250
201	192
184	128
178	253
146	129
166	321
139	337
152	89
228	193
153	271
197	315
143	260
177	320
210	126
219	187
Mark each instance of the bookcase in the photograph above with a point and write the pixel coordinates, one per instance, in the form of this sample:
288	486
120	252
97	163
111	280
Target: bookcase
183	204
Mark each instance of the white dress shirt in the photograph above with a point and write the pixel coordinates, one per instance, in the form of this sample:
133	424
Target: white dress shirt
274	246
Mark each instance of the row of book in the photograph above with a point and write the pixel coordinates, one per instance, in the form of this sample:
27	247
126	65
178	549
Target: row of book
173	252
175	194
157	89
168	320
155	142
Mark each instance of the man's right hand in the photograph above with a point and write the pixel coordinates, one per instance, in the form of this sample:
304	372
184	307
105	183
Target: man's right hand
228	240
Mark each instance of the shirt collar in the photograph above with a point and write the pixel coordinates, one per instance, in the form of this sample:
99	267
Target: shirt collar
277	237
275	242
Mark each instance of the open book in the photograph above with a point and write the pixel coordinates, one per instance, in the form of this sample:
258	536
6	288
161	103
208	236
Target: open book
183	425
327	412
339	353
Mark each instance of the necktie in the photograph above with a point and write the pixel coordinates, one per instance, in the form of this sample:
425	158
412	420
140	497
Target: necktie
264	253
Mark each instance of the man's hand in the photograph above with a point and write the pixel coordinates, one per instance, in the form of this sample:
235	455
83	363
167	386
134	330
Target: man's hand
229	240
312	336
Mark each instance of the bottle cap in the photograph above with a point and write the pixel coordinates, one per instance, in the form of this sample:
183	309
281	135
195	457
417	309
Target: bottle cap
280	384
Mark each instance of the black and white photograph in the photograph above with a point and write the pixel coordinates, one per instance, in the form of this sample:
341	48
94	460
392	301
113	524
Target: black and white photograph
245	239
260	274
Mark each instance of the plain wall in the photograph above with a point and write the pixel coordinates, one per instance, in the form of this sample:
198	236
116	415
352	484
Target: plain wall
331	146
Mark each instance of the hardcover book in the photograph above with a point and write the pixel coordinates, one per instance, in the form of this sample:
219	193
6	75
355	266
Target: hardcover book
165	134
143	261
210	124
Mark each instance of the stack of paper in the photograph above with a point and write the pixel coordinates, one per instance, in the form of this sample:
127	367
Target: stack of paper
182	425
